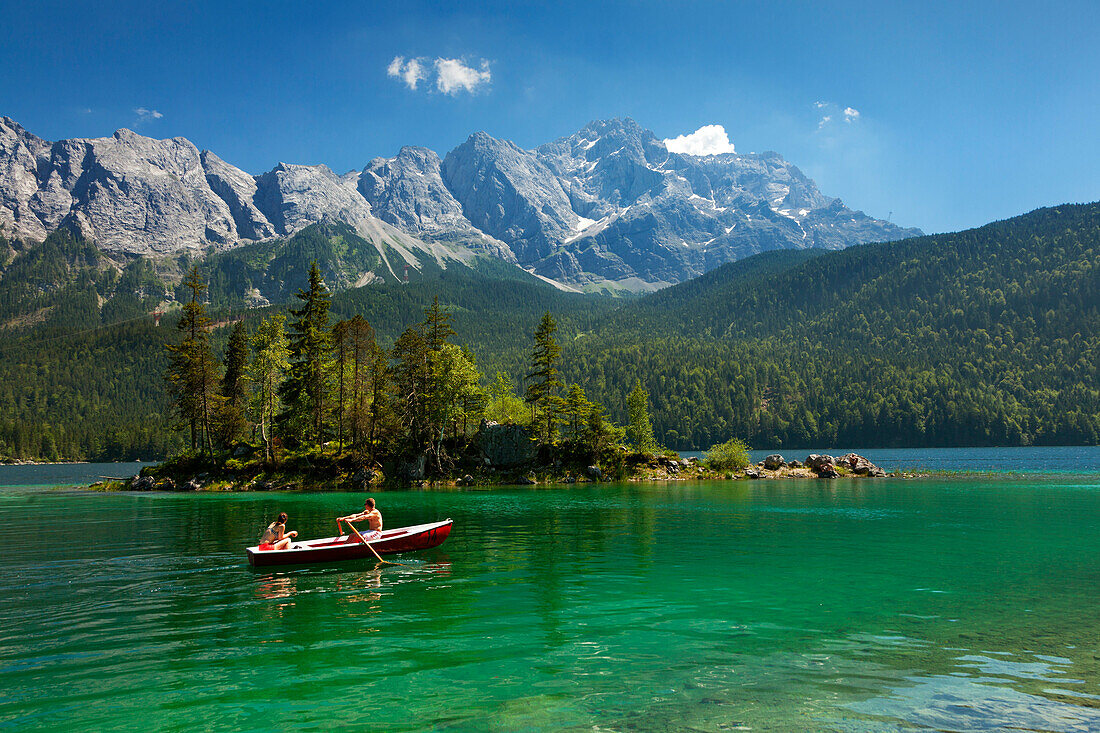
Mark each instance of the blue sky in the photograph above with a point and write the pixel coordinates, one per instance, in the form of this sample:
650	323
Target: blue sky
967	111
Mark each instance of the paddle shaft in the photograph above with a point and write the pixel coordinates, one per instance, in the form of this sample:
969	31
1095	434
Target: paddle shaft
375	553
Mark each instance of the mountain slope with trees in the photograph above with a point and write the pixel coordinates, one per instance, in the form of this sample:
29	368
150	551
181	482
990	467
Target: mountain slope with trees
985	337
988	336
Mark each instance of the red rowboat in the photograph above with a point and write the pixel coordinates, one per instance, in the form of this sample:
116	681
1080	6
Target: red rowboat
348	547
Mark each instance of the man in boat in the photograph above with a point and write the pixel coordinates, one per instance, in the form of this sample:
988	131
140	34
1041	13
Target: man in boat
275	536
372	516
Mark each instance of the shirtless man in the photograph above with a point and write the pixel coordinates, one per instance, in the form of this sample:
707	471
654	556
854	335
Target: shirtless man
275	536
373	517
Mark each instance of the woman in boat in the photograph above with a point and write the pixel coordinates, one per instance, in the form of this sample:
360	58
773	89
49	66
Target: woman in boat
275	536
371	515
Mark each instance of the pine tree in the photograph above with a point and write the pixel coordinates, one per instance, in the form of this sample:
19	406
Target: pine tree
543	382
269	364
233	417
192	371
639	429
436	326
380	416
575	410
412	382
305	392
356	354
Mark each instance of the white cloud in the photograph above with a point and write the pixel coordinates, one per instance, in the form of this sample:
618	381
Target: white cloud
411	72
707	140
147	115
450	76
455	76
831	111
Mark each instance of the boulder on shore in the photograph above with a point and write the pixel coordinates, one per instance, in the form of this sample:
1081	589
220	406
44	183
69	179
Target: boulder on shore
860	466
143	483
505	446
774	462
817	463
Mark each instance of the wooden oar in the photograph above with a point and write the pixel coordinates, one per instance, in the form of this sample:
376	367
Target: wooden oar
353	529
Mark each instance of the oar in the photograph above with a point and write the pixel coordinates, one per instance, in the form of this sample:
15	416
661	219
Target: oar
353	529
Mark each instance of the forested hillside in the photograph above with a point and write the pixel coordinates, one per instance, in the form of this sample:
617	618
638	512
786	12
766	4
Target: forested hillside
988	336
96	389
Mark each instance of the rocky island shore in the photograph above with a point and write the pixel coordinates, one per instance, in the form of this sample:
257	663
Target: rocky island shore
501	455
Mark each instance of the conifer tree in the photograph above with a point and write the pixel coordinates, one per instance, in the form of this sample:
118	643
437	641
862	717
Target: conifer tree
233	418
412	382
639	429
575	410
192	371
380	413
305	392
269	364
436	326
355	358
543	383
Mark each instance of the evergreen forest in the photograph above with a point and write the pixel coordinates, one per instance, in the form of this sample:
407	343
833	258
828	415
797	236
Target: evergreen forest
984	337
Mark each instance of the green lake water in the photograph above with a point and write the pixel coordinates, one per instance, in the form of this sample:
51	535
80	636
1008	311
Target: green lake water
875	605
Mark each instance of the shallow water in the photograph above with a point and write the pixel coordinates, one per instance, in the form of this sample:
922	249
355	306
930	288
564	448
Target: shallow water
965	604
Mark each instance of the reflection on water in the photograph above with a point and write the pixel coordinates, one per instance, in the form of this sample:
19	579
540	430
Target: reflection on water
870	606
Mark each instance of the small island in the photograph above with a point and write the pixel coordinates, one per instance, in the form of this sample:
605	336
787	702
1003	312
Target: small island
317	406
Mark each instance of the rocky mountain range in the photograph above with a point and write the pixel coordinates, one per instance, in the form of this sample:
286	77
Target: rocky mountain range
606	208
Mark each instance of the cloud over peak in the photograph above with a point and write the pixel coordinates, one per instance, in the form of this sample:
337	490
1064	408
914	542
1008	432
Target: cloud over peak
451	76
707	140
146	115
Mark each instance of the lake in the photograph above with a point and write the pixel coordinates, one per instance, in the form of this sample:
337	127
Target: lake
849	605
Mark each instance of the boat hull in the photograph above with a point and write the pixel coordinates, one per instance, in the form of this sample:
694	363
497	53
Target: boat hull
348	547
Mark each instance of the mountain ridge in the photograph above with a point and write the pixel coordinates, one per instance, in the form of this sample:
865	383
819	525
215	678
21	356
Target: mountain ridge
608	207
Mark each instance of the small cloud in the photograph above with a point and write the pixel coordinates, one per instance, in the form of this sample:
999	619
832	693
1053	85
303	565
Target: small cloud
454	76
147	115
831	111
411	72
707	140
450	76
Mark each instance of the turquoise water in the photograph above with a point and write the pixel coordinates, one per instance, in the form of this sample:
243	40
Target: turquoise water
875	605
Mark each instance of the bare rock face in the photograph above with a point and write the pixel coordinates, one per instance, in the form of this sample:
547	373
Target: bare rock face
238	190
19	183
608	205
294	196
127	193
508	193
408	192
658	217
